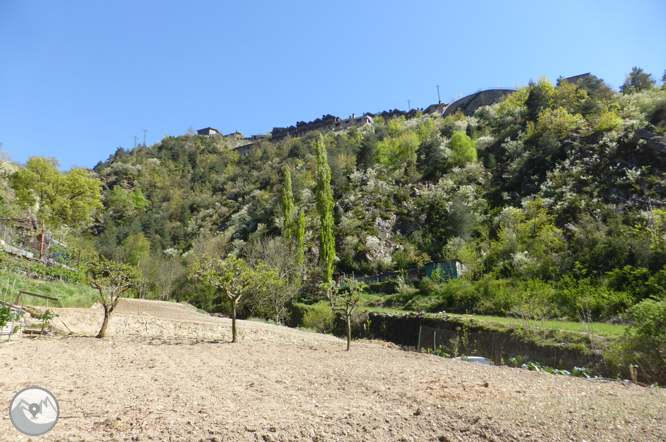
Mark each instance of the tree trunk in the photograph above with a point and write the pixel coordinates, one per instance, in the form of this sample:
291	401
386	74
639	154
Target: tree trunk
233	321
348	330
107	316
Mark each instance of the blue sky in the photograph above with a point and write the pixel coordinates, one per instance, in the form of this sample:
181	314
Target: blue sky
79	79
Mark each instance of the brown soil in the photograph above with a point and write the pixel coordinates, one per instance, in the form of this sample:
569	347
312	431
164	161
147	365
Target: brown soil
170	373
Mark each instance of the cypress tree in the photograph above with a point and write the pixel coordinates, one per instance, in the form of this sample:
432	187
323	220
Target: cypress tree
300	241
288	208
325	206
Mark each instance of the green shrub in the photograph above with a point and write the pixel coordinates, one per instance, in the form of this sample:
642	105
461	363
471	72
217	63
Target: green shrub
609	121
567	298
462	149
649	319
580	348
637	357
319	317
642	353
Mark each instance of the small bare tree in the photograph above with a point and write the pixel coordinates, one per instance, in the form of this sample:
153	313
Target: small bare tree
233	276
112	280
162	274
343	298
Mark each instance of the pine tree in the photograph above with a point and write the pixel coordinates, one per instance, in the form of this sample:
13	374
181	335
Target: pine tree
288	208
637	81
325	206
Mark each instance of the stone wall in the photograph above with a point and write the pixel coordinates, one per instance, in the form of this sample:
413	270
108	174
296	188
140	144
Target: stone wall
495	345
469	104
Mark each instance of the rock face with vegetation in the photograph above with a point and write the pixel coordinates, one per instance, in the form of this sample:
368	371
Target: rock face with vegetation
552	198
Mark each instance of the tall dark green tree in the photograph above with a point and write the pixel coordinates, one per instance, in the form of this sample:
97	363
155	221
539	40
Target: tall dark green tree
288	208
366	151
300	241
325	206
637	81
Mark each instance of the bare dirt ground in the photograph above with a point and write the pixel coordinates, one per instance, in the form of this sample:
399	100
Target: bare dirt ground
169	373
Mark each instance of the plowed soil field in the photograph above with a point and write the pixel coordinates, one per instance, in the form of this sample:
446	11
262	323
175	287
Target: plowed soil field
168	373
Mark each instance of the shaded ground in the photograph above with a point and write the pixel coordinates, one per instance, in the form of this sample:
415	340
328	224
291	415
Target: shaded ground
180	379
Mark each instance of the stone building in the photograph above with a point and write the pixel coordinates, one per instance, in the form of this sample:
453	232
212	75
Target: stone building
324	124
234	136
209	132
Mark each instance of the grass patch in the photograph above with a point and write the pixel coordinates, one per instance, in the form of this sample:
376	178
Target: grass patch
69	294
381	310
416	302
307	330
597	328
187	304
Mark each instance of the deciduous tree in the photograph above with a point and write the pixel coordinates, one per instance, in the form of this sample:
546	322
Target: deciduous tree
462	149
278	262
343	298
134	248
70	198
112	280
233	276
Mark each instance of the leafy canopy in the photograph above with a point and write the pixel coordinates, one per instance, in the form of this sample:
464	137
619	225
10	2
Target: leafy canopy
462	149
61	198
112	279
234	277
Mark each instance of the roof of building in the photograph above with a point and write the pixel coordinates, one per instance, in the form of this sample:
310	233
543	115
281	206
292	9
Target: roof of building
575	78
208	129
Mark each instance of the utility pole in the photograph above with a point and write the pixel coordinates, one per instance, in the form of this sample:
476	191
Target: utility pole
438	99
409	107
144	137
135	138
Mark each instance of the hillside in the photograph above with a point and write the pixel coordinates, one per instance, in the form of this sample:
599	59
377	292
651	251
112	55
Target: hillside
553	182
552	199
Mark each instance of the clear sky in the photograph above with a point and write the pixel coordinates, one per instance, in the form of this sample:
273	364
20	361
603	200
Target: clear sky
78	79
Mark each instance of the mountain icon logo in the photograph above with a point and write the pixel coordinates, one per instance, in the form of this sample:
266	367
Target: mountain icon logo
34	411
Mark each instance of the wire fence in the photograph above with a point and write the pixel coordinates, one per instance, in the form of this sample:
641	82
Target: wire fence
642	360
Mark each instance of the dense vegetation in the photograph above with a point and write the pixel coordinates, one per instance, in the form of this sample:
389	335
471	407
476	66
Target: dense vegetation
553	199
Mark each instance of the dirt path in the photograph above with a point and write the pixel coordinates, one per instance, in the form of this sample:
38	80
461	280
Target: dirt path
183	380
